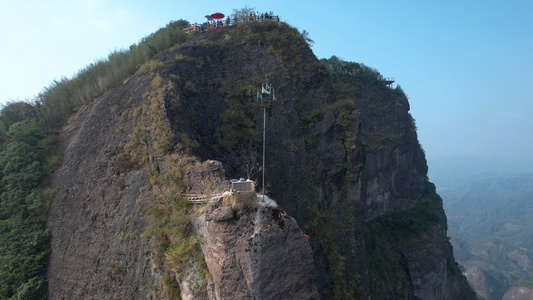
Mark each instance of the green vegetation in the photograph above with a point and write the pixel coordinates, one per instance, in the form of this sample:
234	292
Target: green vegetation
356	74
243	13
169	230
367	90
403	223
237	131
59	100
29	154
388	234
243	201
287	44
490	220
329	244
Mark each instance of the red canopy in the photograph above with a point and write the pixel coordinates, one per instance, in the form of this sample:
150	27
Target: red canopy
217	16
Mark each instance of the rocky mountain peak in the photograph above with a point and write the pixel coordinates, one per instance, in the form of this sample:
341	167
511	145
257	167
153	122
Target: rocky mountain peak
342	160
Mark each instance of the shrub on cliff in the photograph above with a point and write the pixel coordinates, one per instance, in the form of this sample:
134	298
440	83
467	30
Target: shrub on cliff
242	201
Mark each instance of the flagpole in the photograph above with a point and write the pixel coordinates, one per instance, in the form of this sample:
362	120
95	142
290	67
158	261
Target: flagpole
272	97
264	134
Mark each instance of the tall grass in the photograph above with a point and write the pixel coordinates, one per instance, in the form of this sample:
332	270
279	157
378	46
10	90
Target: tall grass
56	102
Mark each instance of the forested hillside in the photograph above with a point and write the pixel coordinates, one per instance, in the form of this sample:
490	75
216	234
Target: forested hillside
28	157
490	224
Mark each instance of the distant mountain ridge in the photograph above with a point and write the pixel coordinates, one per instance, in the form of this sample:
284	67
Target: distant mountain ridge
489	215
455	170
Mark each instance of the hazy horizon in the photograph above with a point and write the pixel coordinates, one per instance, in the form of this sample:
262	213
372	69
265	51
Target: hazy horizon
448	171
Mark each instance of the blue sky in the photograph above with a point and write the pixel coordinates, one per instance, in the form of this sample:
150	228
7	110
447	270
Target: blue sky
466	66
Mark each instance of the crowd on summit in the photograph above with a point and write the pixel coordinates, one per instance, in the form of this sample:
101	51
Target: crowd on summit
258	17
213	24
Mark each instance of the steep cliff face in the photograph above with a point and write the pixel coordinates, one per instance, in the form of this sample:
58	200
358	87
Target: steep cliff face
342	159
96	217
395	167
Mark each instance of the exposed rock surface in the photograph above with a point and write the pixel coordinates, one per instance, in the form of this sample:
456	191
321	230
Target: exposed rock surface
96	217
260	254
518	293
479	281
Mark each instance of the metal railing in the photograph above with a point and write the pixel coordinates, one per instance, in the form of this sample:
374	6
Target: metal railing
218	24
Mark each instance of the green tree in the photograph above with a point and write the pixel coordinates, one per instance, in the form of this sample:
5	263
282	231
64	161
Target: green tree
243	13
23	238
14	112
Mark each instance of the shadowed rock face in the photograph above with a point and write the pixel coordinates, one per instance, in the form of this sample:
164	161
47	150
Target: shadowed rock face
260	254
